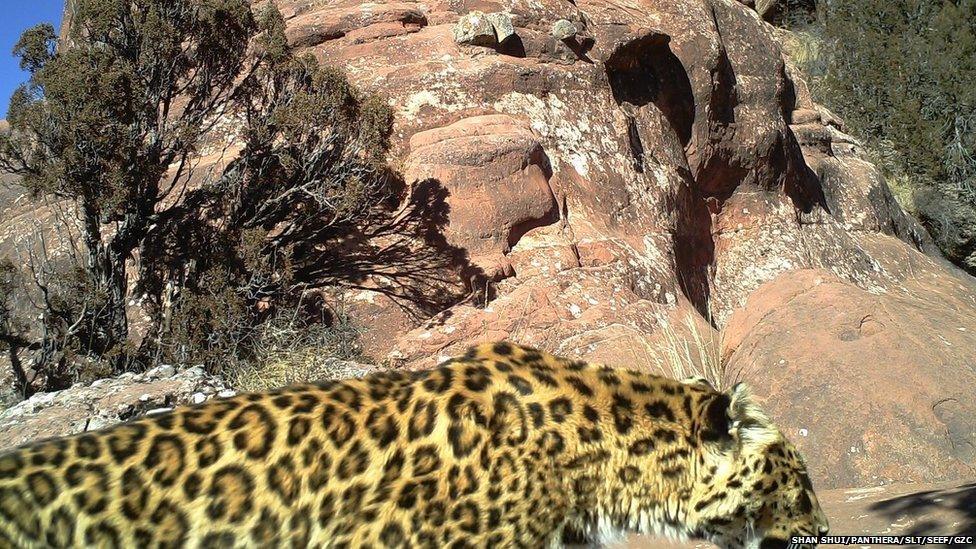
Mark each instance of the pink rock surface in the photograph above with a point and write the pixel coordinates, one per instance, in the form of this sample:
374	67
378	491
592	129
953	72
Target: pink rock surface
870	386
496	175
666	162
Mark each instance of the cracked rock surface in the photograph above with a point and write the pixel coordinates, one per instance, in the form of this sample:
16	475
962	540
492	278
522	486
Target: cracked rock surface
665	162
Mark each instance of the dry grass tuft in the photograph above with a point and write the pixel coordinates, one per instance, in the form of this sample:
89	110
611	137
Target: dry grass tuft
805	48
292	353
292	367
687	349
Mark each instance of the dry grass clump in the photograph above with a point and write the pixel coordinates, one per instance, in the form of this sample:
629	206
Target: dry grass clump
687	349
804	46
292	367
292	353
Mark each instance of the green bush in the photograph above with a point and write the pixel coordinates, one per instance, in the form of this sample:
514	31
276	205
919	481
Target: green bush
111	124
902	73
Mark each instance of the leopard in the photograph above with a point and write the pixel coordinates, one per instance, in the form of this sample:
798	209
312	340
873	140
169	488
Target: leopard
504	445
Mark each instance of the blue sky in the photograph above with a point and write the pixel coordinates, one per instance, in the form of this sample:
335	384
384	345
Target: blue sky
17	16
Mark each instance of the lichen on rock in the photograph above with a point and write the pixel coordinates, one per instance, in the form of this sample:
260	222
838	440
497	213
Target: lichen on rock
563	29
476	29
672	163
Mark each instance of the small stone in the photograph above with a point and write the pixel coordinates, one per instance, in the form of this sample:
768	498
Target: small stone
198	398
99	422
502	23
476	29
144	397
163	371
227	393
563	29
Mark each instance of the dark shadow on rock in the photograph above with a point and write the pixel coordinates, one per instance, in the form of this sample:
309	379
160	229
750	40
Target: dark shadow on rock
636	145
512	46
694	247
402	253
722	165
537	157
721	168
520	229
956	505
399	250
787	95
644	71
802	185
580	46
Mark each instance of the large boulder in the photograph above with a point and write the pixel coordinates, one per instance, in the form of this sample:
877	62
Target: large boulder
872	386
497	180
476	29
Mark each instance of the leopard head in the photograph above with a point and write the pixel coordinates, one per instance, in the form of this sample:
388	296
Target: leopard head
754	488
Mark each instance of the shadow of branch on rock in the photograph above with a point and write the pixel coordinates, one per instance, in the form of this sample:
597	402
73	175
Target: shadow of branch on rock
950	511
402	253
398	250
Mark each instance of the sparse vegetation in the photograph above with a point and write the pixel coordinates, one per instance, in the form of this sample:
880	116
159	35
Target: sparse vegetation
900	73
113	122
290	351
687	349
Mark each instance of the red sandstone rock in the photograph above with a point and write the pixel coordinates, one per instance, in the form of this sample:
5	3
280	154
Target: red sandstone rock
496	175
872	386
667	159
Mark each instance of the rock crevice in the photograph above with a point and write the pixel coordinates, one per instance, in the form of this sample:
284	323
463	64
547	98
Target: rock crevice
611	168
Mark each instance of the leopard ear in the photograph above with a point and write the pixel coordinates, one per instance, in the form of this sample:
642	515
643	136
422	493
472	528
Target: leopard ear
734	418
748	422
698	380
715	422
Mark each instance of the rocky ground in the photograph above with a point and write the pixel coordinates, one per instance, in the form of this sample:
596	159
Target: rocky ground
86	407
105	402
613	168
598	171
